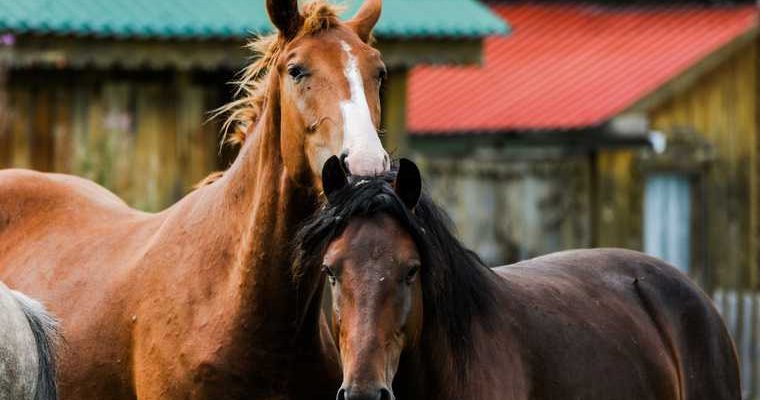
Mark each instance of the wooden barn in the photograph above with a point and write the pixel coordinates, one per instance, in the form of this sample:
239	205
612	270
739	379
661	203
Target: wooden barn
597	125
120	92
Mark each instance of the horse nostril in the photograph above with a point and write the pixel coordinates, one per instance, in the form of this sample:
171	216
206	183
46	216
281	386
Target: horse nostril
371	394
344	160
385	394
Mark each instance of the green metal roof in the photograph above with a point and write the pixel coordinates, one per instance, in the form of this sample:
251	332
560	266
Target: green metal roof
230	18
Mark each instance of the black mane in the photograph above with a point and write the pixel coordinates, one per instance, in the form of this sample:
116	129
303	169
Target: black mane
457	286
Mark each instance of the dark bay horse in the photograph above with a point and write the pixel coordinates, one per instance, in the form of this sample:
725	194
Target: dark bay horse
416	313
198	301
28	341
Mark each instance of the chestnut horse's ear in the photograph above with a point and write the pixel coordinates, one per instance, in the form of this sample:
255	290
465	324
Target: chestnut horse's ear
333	176
366	19
285	16
408	185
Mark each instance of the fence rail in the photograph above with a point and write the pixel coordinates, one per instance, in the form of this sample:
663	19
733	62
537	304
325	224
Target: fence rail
741	311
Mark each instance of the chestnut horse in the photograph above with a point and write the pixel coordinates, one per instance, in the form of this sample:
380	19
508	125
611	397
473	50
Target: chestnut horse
197	301
416	313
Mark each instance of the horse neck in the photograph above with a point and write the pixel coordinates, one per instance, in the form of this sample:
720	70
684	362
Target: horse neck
265	207
431	370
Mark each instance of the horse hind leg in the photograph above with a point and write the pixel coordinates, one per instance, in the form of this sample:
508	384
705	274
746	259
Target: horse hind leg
45	330
699	342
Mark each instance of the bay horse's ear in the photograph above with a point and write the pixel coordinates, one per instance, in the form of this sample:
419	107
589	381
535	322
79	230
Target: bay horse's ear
285	16
333	176
408	185
366	19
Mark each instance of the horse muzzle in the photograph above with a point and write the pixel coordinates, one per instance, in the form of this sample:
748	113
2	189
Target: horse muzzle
368	393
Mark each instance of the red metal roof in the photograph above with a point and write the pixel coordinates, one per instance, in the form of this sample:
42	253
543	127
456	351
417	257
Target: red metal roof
569	66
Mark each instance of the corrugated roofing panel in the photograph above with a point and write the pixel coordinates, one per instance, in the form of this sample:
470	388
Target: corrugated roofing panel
229	18
569	66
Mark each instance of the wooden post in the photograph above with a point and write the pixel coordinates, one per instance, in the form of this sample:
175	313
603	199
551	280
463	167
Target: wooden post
5	46
394	113
755	177
754	265
5	144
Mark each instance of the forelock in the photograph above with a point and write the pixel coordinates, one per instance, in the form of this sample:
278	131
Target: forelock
319	16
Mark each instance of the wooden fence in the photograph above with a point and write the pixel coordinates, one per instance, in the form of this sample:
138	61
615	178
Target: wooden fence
741	310
140	134
4	57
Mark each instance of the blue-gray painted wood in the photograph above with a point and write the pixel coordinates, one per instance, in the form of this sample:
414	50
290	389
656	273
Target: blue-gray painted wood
745	329
667	219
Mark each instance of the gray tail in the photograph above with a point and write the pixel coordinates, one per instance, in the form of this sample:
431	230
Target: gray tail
45	329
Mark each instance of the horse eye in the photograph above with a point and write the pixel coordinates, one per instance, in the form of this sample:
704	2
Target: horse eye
412	274
297	72
330	274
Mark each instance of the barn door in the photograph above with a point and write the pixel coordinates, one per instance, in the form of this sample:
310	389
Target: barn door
667	218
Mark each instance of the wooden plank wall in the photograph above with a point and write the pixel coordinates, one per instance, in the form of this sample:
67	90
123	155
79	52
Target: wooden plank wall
743	320
5	144
722	108
619	194
721	111
141	135
514	206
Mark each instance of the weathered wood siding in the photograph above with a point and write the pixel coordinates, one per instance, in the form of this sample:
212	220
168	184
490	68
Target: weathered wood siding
742	316
141	135
722	109
515	205
712	130
5	144
619	193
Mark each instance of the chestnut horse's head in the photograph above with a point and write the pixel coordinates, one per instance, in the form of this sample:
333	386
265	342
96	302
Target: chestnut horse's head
324	77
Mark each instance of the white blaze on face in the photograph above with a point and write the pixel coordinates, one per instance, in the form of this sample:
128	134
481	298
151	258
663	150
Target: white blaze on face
366	156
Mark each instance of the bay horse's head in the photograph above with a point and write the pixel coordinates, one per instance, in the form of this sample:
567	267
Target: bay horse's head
367	245
325	77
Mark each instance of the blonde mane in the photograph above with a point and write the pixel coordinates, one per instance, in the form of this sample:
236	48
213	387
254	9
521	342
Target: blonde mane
244	112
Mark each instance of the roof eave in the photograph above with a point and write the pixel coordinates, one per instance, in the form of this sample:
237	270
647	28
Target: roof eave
53	51
691	75
534	135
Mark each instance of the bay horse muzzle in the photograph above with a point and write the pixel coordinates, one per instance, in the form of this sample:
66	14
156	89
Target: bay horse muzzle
381	393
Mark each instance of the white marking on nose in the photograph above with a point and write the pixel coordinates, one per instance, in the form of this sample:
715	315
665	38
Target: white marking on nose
366	156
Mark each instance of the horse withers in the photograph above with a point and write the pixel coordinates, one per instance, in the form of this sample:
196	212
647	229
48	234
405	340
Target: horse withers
416	314
28	336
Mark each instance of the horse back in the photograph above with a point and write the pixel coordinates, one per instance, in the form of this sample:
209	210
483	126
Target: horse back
33	203
45	218
21	190
621	321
